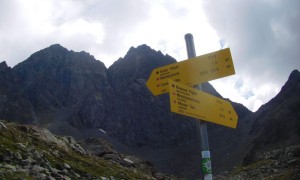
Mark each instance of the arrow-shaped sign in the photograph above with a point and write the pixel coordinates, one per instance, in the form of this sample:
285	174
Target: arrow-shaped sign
198	104
192	71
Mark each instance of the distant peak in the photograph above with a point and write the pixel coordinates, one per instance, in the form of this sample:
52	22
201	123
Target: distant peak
141	48
3	65
294	75
144	46
56	47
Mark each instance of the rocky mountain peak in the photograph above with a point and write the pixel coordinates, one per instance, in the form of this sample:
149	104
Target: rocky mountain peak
138	63
55	58
56	47
140	48
55	78
295	74
47	54
276	124
288	89
57	55
3	65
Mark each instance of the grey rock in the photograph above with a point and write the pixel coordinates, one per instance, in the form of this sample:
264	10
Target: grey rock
63	172
18	156
20	145
41	176
10	167
87	175
67	166
73	173
66	177
127	160
76	147
2	174
294	162
50	178
56	175
26	162
47	166
77	175
56	153
24	170
38	169
113	157
54	170
2	126
38	155
73	144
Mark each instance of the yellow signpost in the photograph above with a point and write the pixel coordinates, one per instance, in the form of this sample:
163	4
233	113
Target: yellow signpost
198	104
192	71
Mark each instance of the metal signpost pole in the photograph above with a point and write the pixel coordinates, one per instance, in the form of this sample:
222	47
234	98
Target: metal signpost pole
202	125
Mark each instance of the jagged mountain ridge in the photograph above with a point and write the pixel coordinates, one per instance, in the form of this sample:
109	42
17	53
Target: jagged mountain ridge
270	149
72	93
70	88
276	124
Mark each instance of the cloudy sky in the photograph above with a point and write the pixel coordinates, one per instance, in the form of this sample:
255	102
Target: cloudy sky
263	35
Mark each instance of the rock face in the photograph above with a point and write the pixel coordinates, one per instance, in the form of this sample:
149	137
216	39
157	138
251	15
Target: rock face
269	147
14	103
144	119
55	78
276	124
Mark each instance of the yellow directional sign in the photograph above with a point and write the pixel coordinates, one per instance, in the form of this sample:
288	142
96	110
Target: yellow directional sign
192	71
198	104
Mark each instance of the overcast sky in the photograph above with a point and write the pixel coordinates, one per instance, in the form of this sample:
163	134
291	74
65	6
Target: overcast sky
263	35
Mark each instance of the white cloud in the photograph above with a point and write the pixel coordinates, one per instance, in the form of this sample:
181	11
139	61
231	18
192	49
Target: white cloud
264	38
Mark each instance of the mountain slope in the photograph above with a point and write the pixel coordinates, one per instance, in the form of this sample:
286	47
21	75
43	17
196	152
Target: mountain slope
144	119
276	124
14	104
282	163
67	89
34	153
271	148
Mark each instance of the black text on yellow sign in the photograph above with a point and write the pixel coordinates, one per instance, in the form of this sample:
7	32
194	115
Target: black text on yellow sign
192	71
191	102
